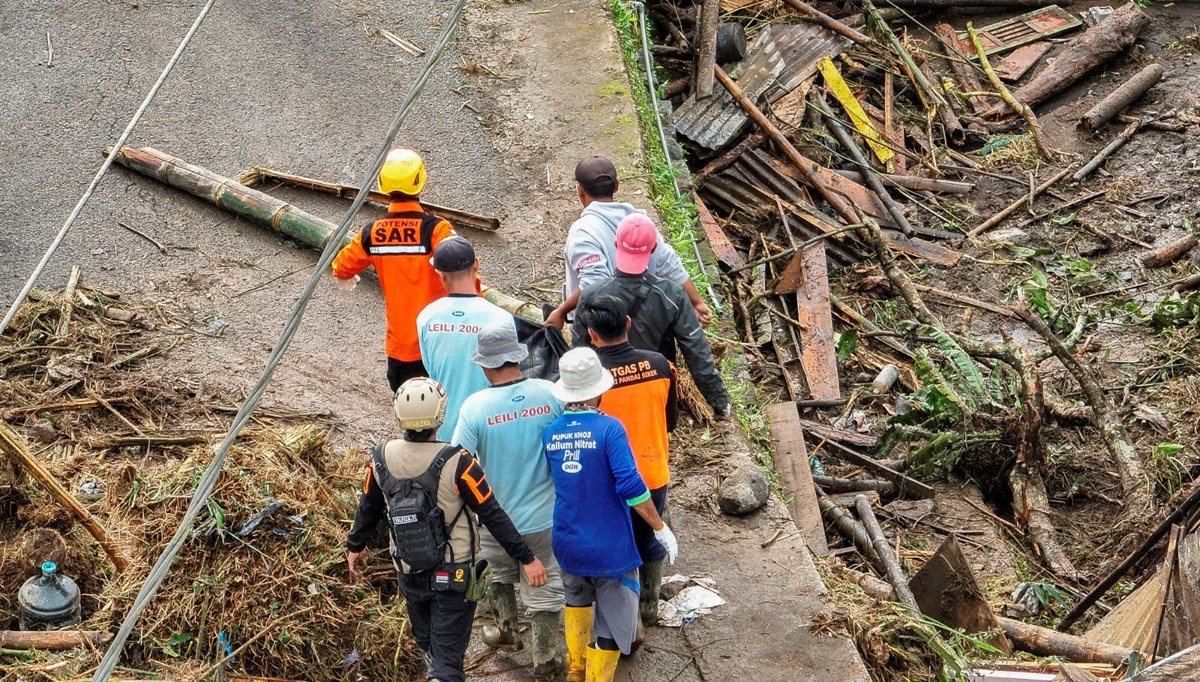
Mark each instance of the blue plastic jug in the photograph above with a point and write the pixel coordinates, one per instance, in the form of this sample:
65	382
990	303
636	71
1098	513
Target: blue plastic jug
49	601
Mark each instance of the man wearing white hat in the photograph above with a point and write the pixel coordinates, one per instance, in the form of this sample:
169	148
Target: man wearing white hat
596	484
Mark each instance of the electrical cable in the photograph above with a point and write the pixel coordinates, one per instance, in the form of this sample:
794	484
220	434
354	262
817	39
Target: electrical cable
208	481
87	194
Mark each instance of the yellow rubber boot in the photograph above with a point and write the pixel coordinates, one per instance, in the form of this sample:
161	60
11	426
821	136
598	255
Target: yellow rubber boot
602	664
578	626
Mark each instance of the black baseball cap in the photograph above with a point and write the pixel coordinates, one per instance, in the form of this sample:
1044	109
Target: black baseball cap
453	254
597	176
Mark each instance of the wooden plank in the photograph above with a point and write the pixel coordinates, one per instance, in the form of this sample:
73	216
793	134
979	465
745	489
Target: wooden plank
905	486
819	352
1017	64
717	239
947	591
788	436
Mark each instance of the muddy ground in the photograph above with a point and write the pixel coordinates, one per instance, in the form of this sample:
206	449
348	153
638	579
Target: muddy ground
526	90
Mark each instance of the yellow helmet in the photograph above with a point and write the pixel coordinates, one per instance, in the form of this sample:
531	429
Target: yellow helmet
403	171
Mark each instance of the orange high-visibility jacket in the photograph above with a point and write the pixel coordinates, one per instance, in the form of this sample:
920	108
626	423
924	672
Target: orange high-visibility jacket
399	246
644	398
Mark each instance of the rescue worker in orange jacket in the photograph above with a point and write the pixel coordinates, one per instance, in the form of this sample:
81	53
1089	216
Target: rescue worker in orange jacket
399	246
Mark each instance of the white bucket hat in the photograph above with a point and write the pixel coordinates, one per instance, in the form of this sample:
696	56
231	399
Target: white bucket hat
581	376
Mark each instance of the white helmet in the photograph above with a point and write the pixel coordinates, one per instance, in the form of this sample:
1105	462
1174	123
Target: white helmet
420	404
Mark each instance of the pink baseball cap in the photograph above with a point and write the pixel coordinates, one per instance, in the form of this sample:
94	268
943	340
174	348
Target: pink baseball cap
636	238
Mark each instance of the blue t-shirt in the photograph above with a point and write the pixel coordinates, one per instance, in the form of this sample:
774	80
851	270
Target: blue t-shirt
448	331
502	426
596	481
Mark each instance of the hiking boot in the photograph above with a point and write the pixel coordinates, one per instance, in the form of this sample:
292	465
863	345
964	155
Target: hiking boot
546	627
503	635
650	575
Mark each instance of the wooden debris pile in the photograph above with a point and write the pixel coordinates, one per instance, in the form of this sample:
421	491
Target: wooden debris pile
124	440
839	157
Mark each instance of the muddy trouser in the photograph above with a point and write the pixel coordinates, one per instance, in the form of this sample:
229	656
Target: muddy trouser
441	624
506	571
648	547
399	371
616	600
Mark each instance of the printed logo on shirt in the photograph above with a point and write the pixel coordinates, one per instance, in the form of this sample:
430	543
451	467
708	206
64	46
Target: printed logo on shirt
518	398
633	372
453	328
590	260
458	313
397	235
514	415
572	467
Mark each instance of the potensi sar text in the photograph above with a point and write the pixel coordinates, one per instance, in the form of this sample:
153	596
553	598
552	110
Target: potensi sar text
514	415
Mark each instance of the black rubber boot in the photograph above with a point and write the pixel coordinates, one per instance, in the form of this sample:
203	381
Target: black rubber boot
650	575
547	632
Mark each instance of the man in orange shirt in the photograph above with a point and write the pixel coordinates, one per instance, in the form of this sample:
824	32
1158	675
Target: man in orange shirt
399	246
644	398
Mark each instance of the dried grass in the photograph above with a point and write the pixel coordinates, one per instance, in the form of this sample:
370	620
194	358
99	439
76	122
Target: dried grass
282	590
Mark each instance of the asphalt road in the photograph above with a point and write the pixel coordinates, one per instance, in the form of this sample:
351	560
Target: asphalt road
304	87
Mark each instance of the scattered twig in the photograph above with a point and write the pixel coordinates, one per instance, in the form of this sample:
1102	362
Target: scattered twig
158	245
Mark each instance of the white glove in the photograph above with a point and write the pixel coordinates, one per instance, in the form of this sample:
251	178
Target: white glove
667	539
346	284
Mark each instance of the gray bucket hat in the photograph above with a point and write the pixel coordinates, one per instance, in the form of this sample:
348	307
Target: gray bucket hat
498	345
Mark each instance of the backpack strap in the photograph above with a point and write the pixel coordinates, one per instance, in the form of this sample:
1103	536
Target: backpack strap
387	482
643	291
431	480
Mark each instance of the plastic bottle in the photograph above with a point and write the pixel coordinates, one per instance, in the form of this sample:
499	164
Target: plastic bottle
49	601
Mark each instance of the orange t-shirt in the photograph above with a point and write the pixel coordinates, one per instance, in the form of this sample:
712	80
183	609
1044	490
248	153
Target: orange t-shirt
643	398
399	246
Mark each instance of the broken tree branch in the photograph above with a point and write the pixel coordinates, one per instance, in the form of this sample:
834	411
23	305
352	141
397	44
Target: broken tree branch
1035	128
52	640
849	527
818	17
1110	149
854	485
968	79
1130	91
706	51
12	445
1170	252
1047	642
1139	498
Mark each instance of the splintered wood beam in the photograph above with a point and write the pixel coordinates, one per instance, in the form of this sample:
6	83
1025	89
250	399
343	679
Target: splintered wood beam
818	351
791	459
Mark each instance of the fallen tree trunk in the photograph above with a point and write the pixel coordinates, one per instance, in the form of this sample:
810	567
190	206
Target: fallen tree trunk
12	445
1130	91
1094	47
1046	642
52	640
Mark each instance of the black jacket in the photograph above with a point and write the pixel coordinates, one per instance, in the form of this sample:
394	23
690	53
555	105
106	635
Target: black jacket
662	316
475	492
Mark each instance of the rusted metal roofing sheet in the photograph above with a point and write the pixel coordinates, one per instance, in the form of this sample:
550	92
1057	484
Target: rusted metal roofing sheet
781	58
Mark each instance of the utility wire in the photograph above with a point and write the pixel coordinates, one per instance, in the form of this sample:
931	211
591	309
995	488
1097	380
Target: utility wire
208	481
87	194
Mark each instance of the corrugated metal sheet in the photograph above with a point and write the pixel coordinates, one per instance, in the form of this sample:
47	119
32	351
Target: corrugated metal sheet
782	58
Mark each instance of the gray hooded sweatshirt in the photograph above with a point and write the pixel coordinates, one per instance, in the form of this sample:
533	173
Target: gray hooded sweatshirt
591	248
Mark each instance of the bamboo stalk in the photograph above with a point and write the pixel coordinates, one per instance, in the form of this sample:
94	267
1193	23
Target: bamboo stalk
1035	128
883	550
849	527
854	485
12	445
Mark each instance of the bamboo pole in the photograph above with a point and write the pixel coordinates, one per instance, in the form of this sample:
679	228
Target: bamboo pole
12	445
884	551
849	527
1035	128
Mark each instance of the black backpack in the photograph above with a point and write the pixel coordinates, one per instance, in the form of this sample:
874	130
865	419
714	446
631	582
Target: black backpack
418	525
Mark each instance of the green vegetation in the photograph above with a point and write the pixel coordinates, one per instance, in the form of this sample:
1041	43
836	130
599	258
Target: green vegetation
679	221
